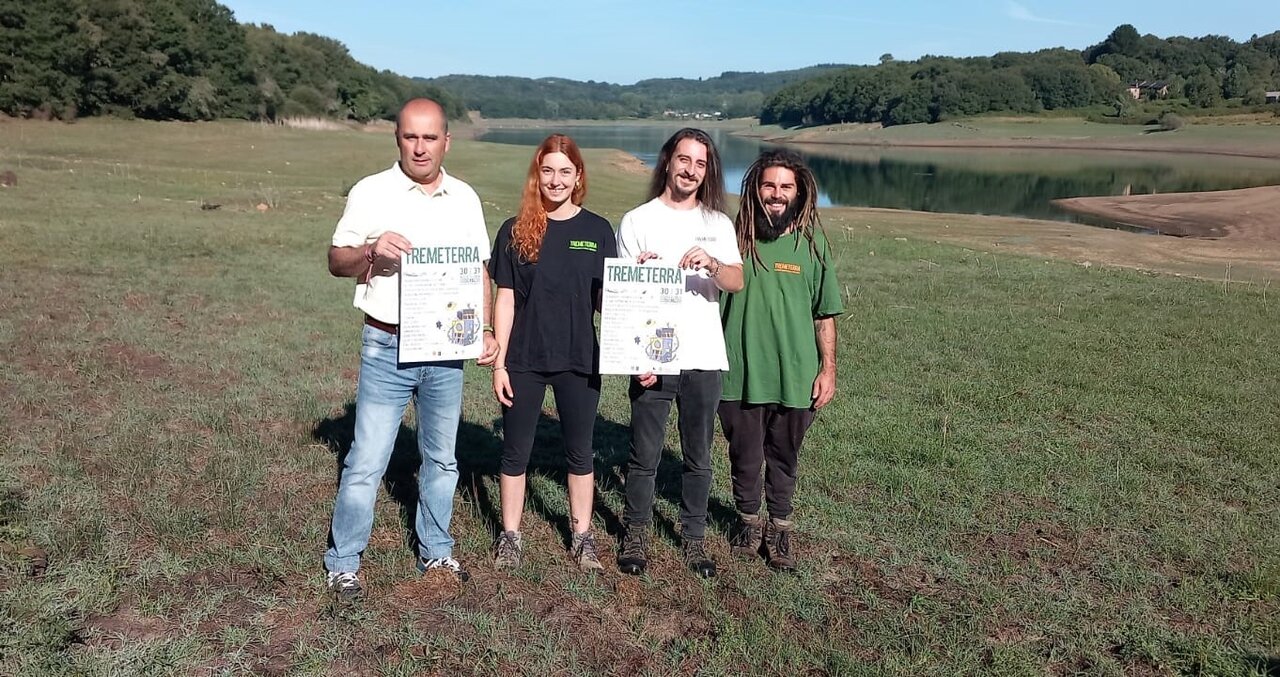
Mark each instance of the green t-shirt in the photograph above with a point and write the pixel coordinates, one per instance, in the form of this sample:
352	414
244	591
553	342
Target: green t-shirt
768	326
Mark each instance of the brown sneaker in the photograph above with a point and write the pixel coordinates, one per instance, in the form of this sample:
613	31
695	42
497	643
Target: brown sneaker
583	552
777	544
748	537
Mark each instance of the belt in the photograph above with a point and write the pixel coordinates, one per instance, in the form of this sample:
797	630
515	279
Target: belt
379	324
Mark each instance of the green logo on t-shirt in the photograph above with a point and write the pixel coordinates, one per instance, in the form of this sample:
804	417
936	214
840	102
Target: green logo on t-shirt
583	245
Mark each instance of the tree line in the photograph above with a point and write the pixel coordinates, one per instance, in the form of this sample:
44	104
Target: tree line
730	94
182	60
1195	72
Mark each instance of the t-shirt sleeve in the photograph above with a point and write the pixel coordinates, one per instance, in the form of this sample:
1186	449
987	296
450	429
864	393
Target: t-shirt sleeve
726	242
608	243
502	267
628	246
358	218
826	297
475	221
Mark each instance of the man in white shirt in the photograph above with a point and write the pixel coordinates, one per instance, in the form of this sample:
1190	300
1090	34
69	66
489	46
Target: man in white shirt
413	203
683	222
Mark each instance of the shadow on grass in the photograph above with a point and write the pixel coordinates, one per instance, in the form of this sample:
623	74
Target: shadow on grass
479	453
1265	665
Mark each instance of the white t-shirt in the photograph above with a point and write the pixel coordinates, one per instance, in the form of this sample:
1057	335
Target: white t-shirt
669	233
391	201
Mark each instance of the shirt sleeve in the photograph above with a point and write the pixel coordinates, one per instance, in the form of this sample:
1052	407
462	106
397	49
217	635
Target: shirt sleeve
502	265
726	242
475	217
628	246
608	243
358	220
826	297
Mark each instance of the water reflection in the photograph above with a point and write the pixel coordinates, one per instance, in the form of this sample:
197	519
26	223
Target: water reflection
973	181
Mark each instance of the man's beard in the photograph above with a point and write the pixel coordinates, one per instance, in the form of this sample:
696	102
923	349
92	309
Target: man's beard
770	228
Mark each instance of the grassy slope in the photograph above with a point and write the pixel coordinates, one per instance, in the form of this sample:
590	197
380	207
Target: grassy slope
1032	466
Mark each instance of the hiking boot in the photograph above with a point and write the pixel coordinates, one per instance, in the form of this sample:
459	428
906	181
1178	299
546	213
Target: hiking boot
695	557
634	555
748	537
344	584
508	551
448	564
583	552
777	544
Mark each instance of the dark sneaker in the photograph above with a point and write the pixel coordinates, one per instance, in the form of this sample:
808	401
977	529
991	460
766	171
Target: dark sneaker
508	551
448	564
344	584
634	555
748	537
695	557
777	544
583	552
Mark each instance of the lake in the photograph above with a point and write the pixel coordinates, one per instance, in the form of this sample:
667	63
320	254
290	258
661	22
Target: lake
972	181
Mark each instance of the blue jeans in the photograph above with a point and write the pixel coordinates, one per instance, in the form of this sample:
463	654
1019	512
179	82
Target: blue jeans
384	392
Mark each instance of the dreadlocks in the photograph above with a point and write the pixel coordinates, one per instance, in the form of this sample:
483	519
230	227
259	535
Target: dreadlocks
801	216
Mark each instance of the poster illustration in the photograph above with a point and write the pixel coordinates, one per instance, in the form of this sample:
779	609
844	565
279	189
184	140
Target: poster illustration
441	298
639	328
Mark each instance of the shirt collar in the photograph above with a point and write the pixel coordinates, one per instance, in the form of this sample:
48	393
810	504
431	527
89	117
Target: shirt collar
446	182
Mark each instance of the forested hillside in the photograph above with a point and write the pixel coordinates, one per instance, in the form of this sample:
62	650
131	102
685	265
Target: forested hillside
731	94
1194	73
181	60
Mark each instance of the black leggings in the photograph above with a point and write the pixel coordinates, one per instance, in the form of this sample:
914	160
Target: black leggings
577	398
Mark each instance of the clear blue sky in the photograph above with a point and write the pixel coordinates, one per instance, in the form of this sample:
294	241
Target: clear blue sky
622	42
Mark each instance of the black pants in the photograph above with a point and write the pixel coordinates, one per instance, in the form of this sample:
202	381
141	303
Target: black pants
577	398
768	433
695	394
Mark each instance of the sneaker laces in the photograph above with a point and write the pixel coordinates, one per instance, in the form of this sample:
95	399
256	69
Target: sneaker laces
634	544
784	543
695	550
508	545
585	546
447	563
343	580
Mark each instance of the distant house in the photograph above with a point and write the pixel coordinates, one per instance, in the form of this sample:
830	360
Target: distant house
1153	89
1273	97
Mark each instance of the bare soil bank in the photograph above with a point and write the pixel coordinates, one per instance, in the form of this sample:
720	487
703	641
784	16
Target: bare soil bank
1248	214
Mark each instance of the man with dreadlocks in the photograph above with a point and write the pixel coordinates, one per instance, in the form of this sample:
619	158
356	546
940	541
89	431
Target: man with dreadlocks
780	333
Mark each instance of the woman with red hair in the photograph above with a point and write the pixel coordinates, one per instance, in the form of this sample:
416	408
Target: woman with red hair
548	264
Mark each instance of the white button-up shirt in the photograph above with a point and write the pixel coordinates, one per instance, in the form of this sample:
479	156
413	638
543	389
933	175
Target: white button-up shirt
391	201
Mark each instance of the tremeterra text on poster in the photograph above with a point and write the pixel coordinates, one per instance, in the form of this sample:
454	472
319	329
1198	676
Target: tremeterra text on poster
639	317
441	299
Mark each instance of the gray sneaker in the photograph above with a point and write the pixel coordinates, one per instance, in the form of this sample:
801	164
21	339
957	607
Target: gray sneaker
633	556
508	551
583	552
344	584
696	557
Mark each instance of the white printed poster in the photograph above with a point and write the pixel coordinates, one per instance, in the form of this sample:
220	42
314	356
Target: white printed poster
639	330
441	298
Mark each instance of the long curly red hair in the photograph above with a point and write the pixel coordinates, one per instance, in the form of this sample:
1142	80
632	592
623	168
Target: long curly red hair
531	220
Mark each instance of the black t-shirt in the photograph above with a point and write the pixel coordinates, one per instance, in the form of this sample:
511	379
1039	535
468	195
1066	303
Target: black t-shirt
554	328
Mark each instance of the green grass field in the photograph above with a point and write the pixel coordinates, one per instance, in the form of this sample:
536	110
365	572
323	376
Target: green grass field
1031	468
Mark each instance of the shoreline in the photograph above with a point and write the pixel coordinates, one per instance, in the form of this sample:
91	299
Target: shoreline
1244	214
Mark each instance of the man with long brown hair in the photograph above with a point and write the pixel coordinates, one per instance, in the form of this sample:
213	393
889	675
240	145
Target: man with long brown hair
780	332
682	222
548	264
